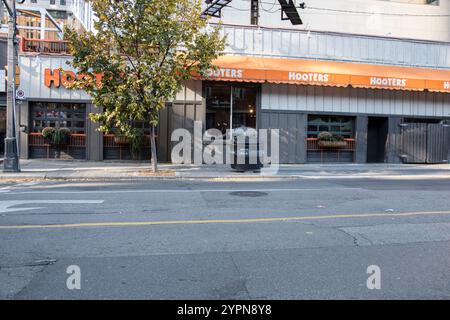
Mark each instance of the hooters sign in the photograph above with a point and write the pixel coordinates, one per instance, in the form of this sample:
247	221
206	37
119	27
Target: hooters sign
328	73
56	78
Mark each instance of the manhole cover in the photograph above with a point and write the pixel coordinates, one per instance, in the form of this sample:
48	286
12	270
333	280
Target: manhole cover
248	193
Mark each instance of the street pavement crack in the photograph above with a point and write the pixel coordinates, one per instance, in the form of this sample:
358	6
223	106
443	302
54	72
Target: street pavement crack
355	240
241	278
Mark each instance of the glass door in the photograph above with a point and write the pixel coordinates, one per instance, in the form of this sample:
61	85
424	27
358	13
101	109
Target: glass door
244	107
230	106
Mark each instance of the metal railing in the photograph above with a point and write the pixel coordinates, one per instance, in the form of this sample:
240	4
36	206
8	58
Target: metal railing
110	142
45	46
313	145
75	140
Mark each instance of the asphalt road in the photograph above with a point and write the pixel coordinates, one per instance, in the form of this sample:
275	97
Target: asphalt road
287	239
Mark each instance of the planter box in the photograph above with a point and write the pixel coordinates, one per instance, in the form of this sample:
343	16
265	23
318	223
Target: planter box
333	144
121	140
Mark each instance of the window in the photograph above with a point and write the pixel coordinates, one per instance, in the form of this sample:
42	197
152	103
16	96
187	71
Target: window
244	106
52	1
254	12
58	115
33	1
63	2
219	106
338	125
432	2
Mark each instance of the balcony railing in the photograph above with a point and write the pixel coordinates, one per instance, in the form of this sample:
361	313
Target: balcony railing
45	46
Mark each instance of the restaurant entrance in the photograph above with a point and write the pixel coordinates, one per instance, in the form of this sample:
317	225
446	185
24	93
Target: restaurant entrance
230	106
377	133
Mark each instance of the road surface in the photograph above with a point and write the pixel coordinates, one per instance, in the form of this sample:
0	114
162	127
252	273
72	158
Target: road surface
201	239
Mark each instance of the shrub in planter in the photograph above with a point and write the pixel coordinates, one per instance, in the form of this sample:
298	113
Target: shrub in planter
48	134
328	140
61	136
121	139
332	144
325	136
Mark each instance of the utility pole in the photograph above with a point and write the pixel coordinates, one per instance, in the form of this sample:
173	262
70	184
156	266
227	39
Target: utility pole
11	161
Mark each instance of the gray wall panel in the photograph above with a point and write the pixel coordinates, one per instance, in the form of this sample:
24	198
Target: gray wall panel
361	139
94	138
292	128
302	44
163	134
394	141
353	100
24	116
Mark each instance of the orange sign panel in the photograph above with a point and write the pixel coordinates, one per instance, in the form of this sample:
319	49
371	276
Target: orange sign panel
56	77
328	73
438	85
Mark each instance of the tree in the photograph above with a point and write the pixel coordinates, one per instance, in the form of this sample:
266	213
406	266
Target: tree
143	50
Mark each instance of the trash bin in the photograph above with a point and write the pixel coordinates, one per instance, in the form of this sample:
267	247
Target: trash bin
245	151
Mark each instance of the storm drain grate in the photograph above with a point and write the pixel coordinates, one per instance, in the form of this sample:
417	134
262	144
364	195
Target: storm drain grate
251	194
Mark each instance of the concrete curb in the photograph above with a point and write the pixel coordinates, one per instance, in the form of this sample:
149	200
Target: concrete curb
55	177
69	171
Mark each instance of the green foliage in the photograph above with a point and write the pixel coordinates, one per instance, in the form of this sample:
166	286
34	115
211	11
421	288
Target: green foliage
137	142
48	133
61	136
56	136
327	136
144	50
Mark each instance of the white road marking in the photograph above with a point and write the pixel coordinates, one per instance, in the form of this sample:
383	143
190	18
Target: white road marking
5	205
181	191
26	184
5	189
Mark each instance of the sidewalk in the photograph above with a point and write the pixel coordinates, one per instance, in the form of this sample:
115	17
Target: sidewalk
80	170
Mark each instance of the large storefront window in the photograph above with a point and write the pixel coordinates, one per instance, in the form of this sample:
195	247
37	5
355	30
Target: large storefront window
337	125
230	106
58	115
112	150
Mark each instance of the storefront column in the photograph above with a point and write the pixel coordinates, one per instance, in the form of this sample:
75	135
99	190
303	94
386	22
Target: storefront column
164	134
361	139
94	138
24	120
393	143
302	125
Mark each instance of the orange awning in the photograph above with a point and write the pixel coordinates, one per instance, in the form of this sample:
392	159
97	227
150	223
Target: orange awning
328	73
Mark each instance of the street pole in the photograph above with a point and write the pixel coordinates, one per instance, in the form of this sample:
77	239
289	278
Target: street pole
11	161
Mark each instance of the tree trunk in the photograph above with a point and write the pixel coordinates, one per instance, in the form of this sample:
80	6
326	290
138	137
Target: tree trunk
153	150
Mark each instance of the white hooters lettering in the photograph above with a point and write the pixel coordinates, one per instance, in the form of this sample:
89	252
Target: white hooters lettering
387	82
308	77
446	85
225	73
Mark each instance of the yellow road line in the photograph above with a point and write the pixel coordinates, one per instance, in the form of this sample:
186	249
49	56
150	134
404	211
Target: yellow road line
252	220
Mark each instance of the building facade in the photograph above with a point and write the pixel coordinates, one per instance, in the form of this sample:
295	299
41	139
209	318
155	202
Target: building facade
38	22
376	73
46	19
